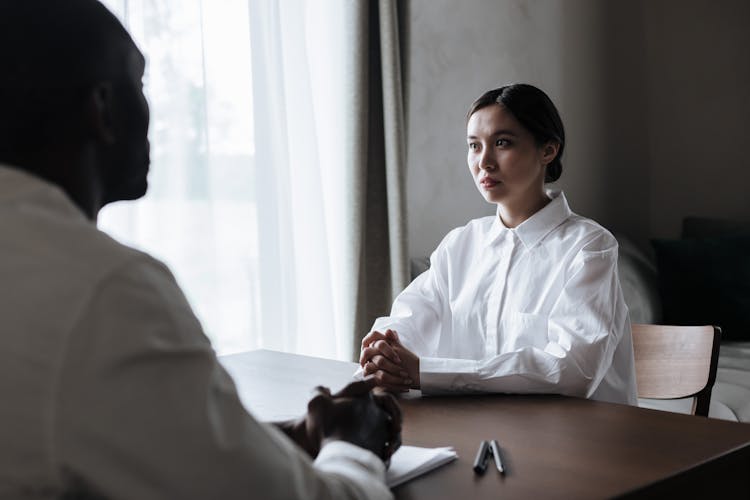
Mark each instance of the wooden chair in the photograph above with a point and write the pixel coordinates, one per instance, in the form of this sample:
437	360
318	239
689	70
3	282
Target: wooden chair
673	362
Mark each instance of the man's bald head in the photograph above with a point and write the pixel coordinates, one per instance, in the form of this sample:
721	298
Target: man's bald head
67	41
51	52
72	109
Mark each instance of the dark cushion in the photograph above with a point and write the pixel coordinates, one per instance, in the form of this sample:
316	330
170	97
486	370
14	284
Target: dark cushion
706	227
706	281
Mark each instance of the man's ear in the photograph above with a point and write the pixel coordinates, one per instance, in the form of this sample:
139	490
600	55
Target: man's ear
549	152
100	112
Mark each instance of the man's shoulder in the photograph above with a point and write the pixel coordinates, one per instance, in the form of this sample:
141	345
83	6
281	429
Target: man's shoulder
111	253
47	237
79	246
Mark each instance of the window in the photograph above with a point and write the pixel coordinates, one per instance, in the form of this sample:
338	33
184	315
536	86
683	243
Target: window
199	215
254	236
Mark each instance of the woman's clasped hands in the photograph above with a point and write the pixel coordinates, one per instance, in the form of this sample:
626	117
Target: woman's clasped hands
394	367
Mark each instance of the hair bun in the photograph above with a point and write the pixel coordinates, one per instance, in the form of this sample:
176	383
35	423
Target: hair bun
554	170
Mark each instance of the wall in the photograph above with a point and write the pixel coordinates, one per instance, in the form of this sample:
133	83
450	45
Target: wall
699	88
627	78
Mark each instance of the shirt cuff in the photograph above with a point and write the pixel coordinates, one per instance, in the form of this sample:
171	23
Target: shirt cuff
344	458
383	323
444	375
359	373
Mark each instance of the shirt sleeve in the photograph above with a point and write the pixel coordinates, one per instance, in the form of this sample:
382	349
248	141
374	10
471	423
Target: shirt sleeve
583	330
144	410
419	311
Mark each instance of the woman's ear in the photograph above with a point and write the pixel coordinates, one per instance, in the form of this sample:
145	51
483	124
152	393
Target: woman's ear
100	112
549	152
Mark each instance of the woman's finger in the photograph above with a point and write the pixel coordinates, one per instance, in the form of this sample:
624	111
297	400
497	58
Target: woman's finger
367	354
371	368
387	365
387	351
390	381
385	379
392	336
371	337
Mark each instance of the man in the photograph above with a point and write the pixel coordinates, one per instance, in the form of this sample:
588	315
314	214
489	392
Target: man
109	387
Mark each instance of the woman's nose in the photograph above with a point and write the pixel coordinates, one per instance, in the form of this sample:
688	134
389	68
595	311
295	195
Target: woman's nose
487	161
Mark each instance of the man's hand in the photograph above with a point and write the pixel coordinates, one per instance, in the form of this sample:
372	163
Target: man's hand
394	367
357	414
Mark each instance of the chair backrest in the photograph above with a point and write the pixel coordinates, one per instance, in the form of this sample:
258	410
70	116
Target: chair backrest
674	362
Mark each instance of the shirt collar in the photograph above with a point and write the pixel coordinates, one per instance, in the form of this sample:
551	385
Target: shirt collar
532	230
18	183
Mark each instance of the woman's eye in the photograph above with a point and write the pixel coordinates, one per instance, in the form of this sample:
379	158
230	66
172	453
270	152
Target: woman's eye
502	142
473	146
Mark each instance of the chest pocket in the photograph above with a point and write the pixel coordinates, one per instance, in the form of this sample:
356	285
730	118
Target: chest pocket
519	330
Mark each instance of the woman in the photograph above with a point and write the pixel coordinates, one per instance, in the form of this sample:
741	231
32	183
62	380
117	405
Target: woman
527	301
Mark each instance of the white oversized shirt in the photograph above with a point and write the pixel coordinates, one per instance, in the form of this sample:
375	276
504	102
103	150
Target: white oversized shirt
109	387
533	309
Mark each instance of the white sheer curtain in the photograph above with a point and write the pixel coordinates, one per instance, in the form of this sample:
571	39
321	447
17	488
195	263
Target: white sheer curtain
245	202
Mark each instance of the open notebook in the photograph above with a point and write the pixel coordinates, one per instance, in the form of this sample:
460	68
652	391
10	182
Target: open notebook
411	461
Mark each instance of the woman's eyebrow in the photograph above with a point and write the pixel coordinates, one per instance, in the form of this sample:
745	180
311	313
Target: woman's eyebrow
496	132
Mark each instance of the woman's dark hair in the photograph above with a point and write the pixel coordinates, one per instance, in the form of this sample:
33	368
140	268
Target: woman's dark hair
535	111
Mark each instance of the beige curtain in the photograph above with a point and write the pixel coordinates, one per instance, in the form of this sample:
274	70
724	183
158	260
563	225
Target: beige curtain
378	264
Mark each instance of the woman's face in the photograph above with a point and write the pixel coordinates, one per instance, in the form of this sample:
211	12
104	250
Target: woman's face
507	165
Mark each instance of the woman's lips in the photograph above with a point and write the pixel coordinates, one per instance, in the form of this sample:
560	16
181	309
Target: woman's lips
488	183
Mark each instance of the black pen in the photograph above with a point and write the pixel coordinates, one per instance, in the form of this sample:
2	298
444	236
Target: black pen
495	449
480	463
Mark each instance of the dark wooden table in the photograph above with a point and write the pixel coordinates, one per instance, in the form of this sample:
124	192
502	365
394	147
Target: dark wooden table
552	446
